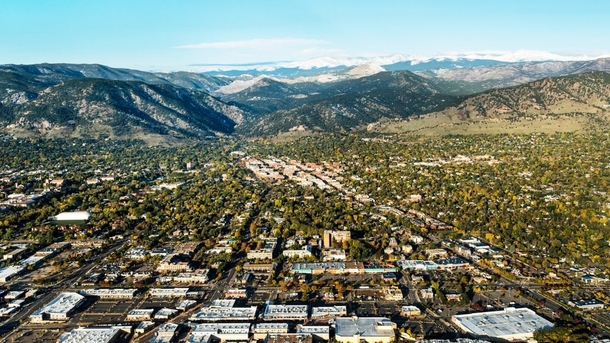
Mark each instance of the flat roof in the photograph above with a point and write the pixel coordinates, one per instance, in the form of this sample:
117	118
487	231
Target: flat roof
167	291
510	323
89	335
63	303
279	310
9	271
166	312
289	338
108	291
364	326
141	311
266	326
313	329
328	310
224	310
223	328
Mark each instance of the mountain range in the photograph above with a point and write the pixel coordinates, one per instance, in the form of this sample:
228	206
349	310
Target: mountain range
98	101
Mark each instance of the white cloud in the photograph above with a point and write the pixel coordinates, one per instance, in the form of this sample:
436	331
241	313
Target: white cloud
256	43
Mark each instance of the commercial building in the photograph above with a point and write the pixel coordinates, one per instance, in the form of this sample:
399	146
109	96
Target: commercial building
267	252
168	292
328	312
110	293
259	268
7	273
261	330
589	305
186	304
91	335
368	329
410	311
198	276
59	309
165	313
417	265
224	310
236	293
510	324
289	338
175	263
203	333
165	333
318	332
138	314
286	312
14	254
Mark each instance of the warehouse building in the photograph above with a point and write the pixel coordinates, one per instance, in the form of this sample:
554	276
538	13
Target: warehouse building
91	335
511	324
10	272
59	309
368	329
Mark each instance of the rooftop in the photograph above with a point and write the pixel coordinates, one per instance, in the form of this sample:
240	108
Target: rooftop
507	323
89	335
364	326
63	303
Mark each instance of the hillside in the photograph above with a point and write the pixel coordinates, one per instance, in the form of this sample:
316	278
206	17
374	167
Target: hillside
60	72
512	74
567	103
350	104
97	107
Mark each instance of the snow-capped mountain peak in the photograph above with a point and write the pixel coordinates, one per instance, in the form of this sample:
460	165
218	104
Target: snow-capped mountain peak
366	69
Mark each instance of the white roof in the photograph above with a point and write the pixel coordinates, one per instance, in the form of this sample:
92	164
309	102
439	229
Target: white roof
168	291
165	312
63	303
108	291
364	326
313	329
224	328
78	215
89	335
141	311
510	323
224	310
279	310
328	310
271	326
7	272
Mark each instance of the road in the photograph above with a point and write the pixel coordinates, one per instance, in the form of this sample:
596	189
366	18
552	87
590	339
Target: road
14	323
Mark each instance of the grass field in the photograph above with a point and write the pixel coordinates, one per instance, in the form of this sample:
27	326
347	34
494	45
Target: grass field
441	124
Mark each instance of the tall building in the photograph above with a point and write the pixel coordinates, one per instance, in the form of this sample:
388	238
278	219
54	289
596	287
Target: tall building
338	236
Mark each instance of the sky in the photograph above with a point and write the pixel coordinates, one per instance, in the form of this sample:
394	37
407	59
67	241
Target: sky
162	35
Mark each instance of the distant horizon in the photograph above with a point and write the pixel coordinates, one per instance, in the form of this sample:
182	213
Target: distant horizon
154	35
329	62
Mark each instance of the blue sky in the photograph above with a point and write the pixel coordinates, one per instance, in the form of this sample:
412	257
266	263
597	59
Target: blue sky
181	35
